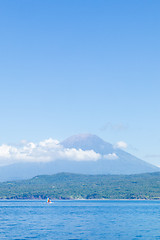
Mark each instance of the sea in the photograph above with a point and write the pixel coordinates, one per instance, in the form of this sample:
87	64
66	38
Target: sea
80	219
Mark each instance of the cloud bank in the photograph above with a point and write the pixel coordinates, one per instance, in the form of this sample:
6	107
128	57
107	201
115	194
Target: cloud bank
45	151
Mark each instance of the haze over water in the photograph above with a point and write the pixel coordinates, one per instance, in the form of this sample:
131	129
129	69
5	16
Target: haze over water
80	220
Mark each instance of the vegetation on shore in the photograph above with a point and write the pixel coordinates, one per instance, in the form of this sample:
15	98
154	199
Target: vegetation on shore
79	186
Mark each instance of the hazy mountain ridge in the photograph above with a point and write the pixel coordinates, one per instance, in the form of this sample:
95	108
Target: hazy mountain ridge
123	163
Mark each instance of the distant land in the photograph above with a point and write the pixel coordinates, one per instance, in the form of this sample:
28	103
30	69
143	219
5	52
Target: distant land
111	161
79	186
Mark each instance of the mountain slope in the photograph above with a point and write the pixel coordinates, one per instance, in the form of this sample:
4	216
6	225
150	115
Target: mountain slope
125	163
73	186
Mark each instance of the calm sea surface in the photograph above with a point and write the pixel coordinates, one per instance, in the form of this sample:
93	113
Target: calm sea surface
80	220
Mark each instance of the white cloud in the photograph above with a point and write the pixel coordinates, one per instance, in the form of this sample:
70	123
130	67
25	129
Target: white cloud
121	145
114	127
79	155
45	151
111	156
50	143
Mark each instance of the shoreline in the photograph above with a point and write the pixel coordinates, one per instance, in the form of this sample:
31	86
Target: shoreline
43	200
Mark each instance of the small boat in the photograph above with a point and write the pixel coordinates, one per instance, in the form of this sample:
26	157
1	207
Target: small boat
48	200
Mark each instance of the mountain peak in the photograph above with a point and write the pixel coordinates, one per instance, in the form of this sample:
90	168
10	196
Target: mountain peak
86	142
82	136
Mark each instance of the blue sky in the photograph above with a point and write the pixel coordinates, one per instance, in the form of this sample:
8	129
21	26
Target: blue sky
69	67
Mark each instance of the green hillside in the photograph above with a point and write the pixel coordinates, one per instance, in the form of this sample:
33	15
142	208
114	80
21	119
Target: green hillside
78	186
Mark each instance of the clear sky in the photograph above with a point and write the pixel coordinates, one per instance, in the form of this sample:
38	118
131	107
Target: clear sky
84	66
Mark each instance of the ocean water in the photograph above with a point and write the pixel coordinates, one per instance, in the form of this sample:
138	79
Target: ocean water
80	220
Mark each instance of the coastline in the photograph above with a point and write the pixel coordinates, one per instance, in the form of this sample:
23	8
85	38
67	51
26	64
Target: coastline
52	199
